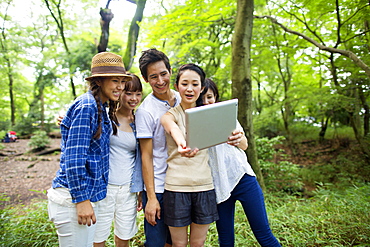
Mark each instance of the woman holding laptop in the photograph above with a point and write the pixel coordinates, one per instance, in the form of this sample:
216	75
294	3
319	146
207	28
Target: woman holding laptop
189	196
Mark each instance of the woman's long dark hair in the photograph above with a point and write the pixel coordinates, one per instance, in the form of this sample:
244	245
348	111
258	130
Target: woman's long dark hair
95	89
208	84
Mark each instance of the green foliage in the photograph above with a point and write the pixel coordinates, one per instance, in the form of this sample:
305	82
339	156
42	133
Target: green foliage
347	168
266	147
27	226
281	175
39	140
331	217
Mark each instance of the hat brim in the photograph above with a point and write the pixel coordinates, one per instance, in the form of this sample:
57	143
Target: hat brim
106	75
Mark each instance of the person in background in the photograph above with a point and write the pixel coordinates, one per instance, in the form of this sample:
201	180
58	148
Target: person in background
125	178
81	181
189	196
156	70
235	180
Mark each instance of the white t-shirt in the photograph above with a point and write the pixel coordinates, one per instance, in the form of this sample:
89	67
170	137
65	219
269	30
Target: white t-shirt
148	125
228	165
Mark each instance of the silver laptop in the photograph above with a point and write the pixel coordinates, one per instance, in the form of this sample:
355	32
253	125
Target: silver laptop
210	125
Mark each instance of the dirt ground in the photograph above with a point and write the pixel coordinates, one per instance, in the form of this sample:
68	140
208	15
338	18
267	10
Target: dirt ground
25	175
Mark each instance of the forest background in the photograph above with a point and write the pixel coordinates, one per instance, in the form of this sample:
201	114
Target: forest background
300	70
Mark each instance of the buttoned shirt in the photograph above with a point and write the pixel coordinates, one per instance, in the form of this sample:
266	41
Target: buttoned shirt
84	162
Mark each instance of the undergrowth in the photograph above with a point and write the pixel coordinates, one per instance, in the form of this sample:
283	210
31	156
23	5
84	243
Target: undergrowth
331	217
336	213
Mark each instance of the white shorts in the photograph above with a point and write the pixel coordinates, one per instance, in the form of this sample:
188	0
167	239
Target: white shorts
120	205
63	213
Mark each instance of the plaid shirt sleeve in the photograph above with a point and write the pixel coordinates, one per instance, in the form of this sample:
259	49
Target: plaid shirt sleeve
77	145
84	161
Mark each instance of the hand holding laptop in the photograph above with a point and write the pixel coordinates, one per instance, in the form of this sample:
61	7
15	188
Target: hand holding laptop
211	125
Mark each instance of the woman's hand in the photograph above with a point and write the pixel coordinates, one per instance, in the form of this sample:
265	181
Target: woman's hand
59	120
85	213
187	152
238	139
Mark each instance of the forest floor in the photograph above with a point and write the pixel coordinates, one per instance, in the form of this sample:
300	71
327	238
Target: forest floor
26	175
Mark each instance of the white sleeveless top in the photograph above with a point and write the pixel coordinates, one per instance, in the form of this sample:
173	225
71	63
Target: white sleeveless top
122	153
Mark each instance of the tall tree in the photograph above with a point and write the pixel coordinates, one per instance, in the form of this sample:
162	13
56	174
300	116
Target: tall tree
57	14
4	40
106	17
133	34
241	76
348	21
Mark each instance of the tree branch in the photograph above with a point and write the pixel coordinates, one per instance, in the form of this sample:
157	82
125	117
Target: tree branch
345	53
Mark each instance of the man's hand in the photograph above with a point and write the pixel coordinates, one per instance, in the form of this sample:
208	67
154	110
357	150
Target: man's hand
139	206
85	213
152	211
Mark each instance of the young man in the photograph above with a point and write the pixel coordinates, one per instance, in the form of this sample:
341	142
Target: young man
156	70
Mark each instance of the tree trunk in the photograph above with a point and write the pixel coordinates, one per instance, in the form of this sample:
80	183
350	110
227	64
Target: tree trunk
106	18
59	21
324	127
9	74
241	77
366	108
133	34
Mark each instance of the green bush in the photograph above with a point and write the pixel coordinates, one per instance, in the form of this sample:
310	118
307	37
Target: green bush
282	175
332	217
27	226
39	140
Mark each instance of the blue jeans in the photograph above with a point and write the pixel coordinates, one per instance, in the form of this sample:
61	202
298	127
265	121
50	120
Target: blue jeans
250	195
158	235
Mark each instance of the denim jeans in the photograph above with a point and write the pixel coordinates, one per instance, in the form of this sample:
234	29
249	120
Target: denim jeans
158	235
250	195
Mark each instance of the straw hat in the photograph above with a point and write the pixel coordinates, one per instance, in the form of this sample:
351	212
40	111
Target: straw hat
107	64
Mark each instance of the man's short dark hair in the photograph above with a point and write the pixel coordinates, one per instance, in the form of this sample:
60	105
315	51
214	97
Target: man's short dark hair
151	56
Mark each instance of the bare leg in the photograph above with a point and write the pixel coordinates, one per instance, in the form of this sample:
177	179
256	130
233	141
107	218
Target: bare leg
179	236
102	244
120	242
198	234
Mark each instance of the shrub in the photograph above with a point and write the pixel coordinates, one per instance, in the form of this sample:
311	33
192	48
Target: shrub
282	175
39	140
27	226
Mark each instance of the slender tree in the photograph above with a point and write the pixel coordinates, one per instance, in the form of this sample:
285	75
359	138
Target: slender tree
57	15
133	34
241	76
8	65
106	17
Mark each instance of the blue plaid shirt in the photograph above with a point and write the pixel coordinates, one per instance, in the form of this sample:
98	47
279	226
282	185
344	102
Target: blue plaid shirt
84	162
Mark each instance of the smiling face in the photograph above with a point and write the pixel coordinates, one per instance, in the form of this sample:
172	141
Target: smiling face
111	88
189	87
209	97
129	99
159	79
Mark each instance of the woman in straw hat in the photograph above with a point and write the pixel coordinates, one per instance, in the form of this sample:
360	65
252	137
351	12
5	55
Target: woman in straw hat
82	178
